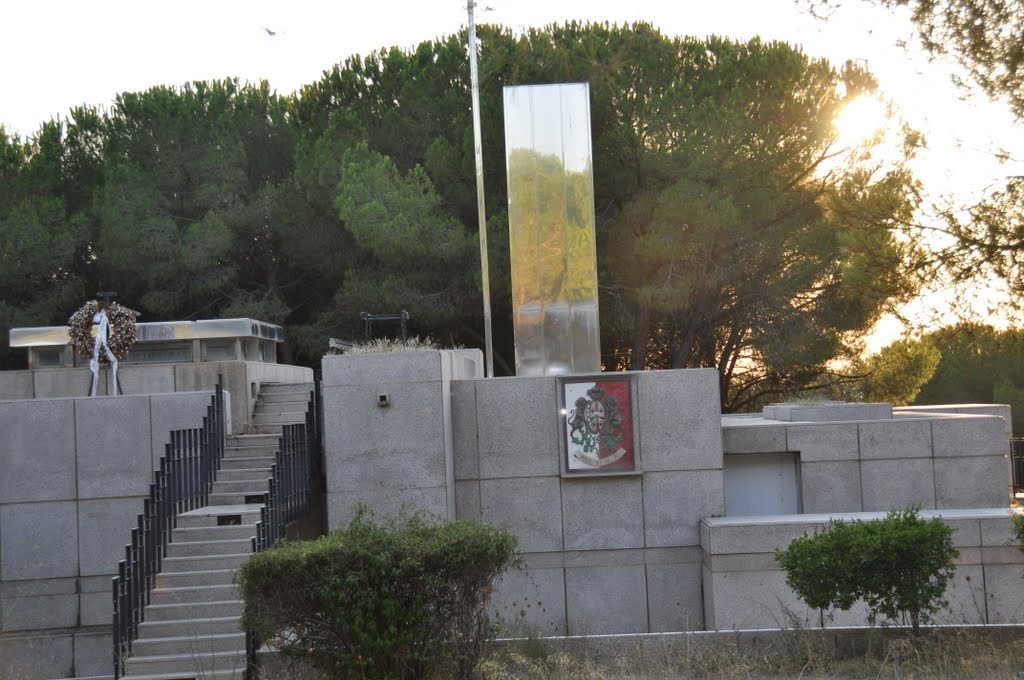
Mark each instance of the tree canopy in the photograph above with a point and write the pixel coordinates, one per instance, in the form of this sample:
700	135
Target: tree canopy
735	229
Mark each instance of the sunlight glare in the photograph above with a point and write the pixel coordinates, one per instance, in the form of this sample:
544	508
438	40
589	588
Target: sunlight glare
860	119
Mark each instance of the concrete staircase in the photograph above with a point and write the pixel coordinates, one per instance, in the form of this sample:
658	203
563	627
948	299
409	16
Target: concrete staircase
191	628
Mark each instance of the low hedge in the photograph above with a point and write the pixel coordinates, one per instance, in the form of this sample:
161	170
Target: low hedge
396	598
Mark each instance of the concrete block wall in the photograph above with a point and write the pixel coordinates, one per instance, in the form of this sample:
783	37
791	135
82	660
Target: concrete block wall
74	473
614	554
931	459
744	588
241	379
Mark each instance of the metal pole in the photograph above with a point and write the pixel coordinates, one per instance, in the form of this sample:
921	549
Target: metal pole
482	215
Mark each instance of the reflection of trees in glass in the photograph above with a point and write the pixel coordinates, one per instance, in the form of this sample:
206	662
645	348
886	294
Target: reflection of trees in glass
551	230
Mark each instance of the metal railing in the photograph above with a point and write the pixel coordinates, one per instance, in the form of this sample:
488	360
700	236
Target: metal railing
296	465
1017	467
181	483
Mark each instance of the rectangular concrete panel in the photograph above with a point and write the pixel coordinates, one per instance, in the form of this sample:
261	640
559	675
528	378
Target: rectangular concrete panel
825	442
674	599
65	382
389	367
897	484
969	436
467	500
465	442
178	411
47	655
609	599
16	385
398	446
741	435
431	502
112	436
529	508
137	380
517	421
40	612
676	502
971	482
104	527
758	599
38	540
92	654
1005	597
530	602
603	513
895	439
679	415
965	595
832	486
37	451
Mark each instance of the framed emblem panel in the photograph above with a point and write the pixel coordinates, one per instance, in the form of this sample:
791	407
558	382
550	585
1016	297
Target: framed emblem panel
597	419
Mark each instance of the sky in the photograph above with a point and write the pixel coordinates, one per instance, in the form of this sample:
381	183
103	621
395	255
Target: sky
59	54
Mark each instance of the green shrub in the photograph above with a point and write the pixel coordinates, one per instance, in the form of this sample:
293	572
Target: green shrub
1017	520
899	566
400	598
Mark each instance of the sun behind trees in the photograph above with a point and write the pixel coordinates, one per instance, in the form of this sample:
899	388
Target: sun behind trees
733	231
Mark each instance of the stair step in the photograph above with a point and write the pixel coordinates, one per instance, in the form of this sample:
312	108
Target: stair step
206	577
190	675
216	514
237	498
185	663
214	533
193	594
179	611
193	626
256	439
243	486
246	462
250	451
176	565
278	418
196	644
231	546
278	388
244	474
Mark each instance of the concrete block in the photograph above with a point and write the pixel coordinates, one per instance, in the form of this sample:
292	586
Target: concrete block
96	609
136	379
65	382
530	602
827	412
972	482
47	655
895	439
16	385
675	502
897	484
104	527
389	367
529	508
38	540
112	436
998	531
462	364
758	599
182	410
606	600
753	536
467	500
674	597
518	426
465	445
965	595
398	446
431	502
40	612
1005	597
603	513
830	486
968	436
827	442
37	450
235	378
752	438
92	654
680	420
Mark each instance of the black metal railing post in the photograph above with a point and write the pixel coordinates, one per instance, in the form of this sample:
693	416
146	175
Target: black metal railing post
181	482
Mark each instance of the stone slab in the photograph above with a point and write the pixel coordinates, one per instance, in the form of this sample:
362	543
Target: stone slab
758	599
467	500
897	484
606	600
65	382
42	656
832	486
518	426
465	444
971	482
40	612
760	438
675	502
38	540
965	595
144	379
182	410
104	527
530	602
674	600
1005	597
16	385
895	439
431	502
37	451
531	508
93	654
956	437
112	437
679	416
603	513
826	442
97	608
389	367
